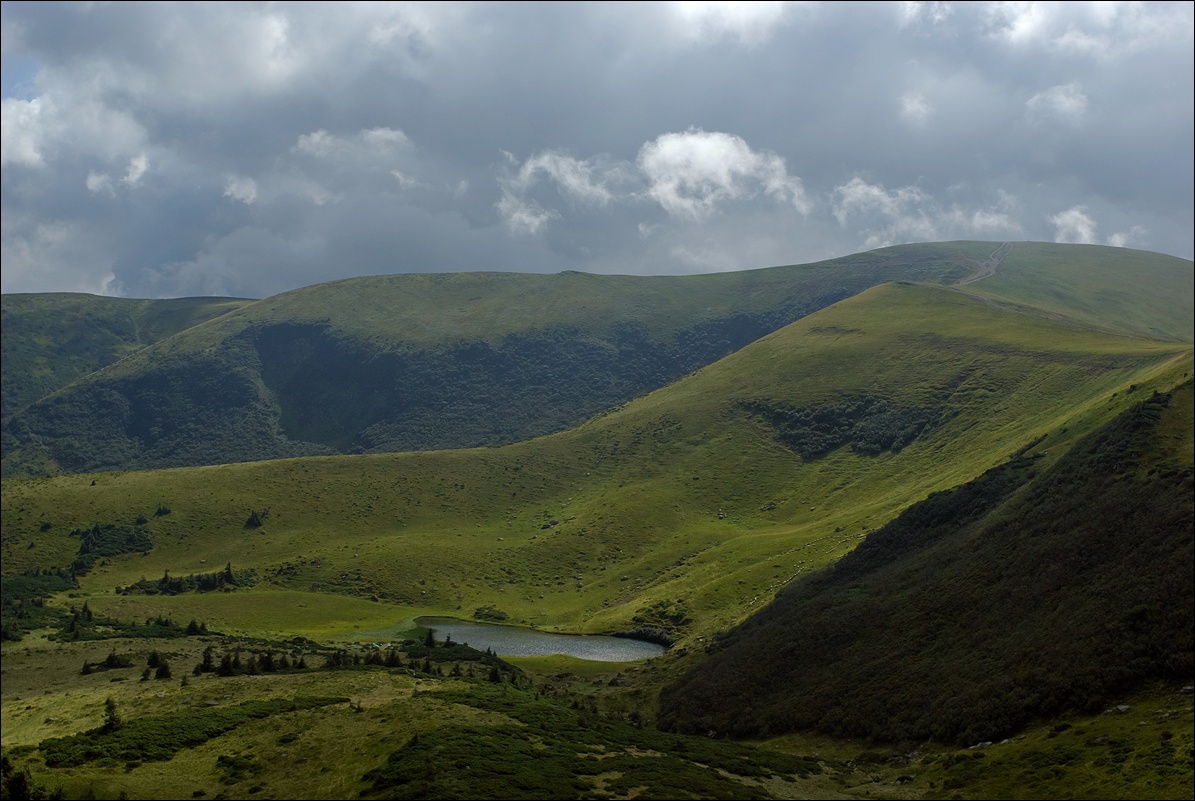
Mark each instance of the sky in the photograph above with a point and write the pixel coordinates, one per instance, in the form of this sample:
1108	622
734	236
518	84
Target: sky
158	150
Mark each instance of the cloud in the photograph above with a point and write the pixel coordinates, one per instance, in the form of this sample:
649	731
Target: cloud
578	180
524	216
98	182
241	189
910	214
933	13
65	253
691	174
1074	226
1066	102
915	109
407	181
747	23
1124	239
21	133
138	165
273	144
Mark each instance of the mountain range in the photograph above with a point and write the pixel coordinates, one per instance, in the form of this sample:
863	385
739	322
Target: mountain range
929	493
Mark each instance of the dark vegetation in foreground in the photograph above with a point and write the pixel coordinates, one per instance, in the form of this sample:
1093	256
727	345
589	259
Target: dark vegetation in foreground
1020	595
559	751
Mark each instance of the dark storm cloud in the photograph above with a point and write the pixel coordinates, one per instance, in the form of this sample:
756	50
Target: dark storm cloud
245	149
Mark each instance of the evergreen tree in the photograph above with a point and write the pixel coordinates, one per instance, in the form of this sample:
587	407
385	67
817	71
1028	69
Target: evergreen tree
163	671
112	720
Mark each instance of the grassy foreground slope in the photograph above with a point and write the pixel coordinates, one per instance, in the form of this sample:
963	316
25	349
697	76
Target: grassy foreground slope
1027	593
412	362
53	339
680	512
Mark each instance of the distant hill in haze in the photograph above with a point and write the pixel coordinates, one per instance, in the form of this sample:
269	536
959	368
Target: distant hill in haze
417	362
425	362
52	339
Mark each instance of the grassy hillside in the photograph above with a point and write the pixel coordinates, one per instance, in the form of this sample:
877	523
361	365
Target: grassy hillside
1029	592
1118	289
687	503
427	362
417	362
677	514
53	339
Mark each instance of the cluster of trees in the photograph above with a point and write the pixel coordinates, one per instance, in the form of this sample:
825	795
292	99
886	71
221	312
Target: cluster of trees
112	661
23	601
18	785
231	664
1028	592
221	580
83	624
869	424
161	737
108	540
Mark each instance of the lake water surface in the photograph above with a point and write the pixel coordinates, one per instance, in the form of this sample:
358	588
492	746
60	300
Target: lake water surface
514	641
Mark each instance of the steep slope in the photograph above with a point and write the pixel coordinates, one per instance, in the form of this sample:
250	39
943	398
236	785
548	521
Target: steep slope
680	512
53	339
1025	593
416	362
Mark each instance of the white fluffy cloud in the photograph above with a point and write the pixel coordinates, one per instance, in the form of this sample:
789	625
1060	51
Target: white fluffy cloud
21	132
691	174
747	23
1075	226
241	189
909	213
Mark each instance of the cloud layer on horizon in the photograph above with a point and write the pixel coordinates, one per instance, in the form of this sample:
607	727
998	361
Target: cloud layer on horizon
161	150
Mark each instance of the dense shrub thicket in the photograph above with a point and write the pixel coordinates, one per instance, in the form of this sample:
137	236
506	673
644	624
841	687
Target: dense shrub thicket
563	752
161	737
23	601
1019	595
869	424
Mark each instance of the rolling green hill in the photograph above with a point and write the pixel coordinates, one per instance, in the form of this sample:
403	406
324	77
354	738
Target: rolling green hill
426	362
694	497
53	339
421	362
924	423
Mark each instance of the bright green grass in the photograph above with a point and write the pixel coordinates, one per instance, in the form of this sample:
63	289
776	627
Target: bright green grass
678	497
1136	291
